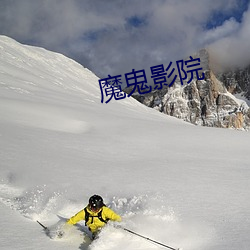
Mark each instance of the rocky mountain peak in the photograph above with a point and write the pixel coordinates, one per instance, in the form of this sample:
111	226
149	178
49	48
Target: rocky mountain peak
208	102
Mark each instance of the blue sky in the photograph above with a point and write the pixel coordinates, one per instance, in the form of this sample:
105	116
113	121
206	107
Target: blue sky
218	17
114	36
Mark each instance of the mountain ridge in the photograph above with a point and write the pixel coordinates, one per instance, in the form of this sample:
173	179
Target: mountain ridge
209	102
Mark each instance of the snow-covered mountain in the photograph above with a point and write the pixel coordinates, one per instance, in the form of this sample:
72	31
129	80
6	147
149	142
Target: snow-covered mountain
182	185
209	102
237	81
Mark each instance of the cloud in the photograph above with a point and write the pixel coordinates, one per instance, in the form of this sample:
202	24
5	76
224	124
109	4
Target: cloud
233	49
115	36
226	29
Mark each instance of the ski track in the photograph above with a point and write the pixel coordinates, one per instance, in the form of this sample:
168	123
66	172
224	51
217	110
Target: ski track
145	214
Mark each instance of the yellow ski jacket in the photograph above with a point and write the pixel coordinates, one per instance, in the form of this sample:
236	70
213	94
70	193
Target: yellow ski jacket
94	223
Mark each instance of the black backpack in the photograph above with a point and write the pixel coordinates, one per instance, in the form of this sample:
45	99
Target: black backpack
88	216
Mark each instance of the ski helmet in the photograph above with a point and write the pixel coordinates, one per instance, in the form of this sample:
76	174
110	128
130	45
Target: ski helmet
95	202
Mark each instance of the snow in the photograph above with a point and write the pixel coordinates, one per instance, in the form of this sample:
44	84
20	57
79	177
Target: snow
242	98
182	185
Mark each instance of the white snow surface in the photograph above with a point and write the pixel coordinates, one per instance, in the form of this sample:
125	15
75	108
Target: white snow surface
182	185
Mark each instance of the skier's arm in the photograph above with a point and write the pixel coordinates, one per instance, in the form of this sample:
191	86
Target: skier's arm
110	214
77	217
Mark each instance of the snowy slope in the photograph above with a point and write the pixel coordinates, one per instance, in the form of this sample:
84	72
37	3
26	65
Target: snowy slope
176	183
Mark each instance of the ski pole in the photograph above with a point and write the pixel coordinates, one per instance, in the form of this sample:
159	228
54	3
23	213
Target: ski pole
45	228
146	238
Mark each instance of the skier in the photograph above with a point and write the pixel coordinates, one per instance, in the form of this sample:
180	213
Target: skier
95	214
